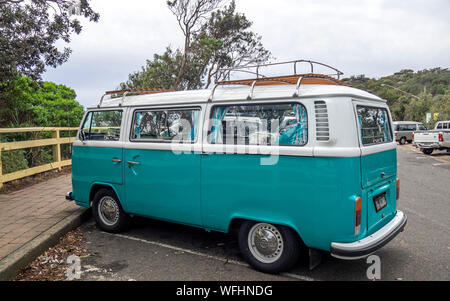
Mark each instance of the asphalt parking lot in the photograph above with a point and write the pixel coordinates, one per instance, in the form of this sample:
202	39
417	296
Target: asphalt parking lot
154	250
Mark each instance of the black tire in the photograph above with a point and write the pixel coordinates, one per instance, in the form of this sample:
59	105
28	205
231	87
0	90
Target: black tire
121	219
403	140
289	254
427	151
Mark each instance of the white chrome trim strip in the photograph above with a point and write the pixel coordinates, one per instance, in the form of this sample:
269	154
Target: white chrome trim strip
373	149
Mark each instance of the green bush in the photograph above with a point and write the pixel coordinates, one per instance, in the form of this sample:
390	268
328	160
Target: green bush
13	161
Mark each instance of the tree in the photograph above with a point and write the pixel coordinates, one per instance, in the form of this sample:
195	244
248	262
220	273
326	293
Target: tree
431	86
29	30
162	72
189	14
224	40
30	104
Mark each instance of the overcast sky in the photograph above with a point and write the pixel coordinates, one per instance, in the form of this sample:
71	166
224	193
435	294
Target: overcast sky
371	37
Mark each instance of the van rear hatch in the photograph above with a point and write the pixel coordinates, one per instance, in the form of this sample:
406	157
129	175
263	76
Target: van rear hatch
378	165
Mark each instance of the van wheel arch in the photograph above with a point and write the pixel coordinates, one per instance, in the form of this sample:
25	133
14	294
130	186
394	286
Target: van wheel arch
236	223
97	187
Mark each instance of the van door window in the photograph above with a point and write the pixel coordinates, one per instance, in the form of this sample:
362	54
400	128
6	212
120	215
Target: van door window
165	125
445	126
422	127
102	126
265	124
412	127
374	125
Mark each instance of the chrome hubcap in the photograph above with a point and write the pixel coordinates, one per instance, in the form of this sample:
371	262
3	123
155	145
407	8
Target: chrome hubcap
108	211
265	242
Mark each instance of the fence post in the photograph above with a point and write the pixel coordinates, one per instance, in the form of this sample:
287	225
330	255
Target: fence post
1	167
57	149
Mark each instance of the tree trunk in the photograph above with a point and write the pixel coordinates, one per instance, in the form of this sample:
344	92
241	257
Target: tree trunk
183	63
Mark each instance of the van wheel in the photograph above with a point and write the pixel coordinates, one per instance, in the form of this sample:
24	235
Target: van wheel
427	151
108	212
269	248
403	141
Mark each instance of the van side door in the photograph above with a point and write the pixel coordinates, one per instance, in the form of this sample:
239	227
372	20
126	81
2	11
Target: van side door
162	163
98	153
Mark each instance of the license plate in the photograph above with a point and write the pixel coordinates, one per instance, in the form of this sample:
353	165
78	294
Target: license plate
380	202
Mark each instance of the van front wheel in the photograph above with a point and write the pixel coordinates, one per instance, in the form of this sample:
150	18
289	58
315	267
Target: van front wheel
108	212
269	248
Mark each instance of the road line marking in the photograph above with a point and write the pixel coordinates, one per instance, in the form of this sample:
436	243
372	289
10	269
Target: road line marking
235	262
440	164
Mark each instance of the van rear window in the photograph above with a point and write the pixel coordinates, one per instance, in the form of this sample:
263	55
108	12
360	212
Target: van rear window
374	125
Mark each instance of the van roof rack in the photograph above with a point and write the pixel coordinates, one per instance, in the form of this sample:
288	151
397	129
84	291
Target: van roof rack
295	79
125	92
298	80
312	64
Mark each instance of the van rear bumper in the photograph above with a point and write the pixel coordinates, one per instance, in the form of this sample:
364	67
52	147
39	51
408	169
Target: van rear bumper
364	247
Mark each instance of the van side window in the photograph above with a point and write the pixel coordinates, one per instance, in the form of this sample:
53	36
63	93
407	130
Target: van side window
165	125
102	126
412	127
439	127
264	124
445	126
422	127
374	125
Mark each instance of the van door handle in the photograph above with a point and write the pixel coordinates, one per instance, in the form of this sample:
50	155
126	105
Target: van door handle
133	163
117	161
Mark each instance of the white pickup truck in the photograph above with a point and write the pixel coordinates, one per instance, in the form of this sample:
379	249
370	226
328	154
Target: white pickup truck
437	139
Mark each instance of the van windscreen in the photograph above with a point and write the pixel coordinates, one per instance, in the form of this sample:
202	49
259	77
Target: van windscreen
374	125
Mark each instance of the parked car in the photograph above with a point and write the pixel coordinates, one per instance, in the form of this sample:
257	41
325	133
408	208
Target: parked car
437	139
332	184
403	130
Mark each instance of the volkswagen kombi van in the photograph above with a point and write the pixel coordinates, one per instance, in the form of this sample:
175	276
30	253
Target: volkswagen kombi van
311	166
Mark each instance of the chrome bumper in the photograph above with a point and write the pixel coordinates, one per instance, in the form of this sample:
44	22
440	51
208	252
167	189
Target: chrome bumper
364	247
427	145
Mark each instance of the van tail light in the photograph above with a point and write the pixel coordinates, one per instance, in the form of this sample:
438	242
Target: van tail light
413	137
357	216
441	137
398	189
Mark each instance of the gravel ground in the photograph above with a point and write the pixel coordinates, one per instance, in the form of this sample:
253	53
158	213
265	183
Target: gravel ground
52	265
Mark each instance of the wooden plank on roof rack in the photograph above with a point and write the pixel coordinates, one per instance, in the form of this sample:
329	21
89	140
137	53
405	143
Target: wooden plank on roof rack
140	91
309	79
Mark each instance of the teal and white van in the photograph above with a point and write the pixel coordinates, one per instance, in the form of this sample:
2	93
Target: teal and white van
291	163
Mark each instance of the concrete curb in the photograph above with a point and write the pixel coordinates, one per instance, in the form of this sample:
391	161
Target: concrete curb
11	264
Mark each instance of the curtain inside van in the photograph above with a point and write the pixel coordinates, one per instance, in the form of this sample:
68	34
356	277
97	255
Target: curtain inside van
216	129
194	127
297	135
387	132
137	134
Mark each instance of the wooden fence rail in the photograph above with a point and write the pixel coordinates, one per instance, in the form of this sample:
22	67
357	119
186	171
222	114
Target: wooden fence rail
56	141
